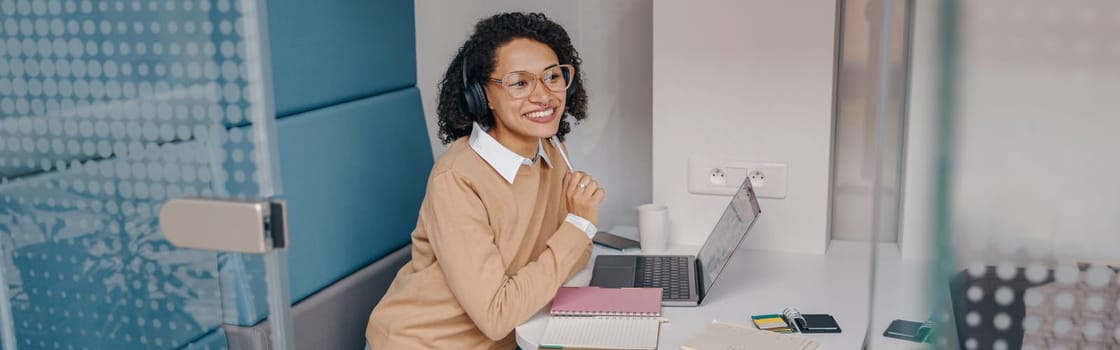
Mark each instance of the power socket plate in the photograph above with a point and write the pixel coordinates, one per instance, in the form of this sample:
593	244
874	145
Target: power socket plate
700	169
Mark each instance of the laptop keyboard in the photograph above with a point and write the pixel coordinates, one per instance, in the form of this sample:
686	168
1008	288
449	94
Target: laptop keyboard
670	273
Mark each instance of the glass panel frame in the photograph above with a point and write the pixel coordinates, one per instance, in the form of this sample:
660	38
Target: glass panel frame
108	109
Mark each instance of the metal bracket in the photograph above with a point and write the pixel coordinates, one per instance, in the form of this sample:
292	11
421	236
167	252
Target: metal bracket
225	225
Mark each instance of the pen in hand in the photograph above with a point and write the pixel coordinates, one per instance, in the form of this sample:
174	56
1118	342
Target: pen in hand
556	143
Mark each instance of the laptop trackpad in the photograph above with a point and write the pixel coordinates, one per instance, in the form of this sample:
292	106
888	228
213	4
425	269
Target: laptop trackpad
613	277
614	271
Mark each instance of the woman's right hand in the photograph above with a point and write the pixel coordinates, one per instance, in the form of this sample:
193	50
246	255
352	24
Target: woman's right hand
583	195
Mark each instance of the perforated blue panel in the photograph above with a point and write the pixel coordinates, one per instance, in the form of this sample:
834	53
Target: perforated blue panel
88	266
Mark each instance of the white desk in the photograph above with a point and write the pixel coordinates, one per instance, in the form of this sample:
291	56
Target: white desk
763	282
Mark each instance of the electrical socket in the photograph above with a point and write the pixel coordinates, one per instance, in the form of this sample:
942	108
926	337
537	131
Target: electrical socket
717	176
724	176
758	178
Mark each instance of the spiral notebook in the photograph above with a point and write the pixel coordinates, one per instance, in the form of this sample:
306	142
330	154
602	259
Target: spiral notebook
604	318
595	301
773	322
811	323
601	332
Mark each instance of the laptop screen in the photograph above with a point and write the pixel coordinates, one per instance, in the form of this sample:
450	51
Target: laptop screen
728	233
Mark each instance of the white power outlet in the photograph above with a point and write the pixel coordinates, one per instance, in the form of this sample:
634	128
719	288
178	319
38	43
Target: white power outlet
717	176
724	176
758	178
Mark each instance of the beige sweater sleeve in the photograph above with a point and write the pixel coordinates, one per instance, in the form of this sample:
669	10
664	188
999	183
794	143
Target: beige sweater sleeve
463	243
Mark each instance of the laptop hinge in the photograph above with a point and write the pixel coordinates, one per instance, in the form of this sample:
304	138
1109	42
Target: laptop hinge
699	283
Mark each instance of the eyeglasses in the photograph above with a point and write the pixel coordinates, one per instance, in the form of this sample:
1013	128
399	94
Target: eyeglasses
520	84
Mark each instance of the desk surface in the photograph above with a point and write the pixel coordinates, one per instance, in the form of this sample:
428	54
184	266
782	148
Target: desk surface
763	282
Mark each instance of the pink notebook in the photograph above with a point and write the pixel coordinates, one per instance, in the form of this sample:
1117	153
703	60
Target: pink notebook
595	301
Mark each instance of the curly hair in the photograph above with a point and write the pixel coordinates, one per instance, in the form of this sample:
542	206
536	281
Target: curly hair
481	48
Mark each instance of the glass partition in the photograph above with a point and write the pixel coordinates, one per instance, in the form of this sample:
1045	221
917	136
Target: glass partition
1010	213
108	109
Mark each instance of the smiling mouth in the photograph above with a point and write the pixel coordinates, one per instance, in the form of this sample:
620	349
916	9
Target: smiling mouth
540	114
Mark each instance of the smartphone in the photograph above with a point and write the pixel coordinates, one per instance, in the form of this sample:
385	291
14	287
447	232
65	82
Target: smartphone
613	241
908	330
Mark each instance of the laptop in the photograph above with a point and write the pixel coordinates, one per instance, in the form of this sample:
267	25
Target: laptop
684	279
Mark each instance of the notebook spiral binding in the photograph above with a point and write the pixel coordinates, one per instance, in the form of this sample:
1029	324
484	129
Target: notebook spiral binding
793	317
603	313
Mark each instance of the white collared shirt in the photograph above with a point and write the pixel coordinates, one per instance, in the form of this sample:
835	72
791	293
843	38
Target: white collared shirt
507	162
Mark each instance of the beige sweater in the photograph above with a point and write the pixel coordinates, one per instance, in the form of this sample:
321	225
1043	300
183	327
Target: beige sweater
486	256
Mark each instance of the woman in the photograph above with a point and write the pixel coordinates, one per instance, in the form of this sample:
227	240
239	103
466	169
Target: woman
505	222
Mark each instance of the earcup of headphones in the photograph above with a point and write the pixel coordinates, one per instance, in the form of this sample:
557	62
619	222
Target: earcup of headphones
571	88
476	99
473	94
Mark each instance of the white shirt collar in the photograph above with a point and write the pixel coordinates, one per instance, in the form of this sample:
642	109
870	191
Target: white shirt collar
505	161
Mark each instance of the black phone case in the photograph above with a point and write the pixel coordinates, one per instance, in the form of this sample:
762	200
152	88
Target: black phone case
614	241
906	330
818	323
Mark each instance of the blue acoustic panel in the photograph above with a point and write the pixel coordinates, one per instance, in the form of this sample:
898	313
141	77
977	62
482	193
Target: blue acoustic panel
330	51
354	176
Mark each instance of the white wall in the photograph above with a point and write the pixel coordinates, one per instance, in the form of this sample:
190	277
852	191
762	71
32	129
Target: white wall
746	80
615	41
1036	167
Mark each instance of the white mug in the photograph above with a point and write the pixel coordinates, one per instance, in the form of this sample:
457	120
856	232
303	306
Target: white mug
653	220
